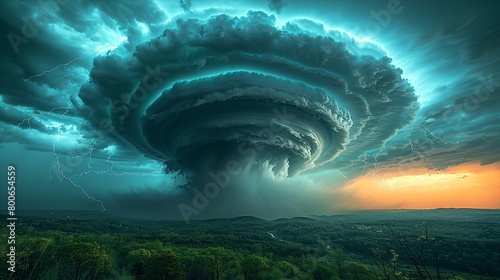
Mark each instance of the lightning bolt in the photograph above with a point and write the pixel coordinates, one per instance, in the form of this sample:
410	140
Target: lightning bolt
366	163
381	179
427	135
71	180
89	148
433	135
63	65
365	160
422	156
27	120
113	172
58	165
375	158
65	76
342	174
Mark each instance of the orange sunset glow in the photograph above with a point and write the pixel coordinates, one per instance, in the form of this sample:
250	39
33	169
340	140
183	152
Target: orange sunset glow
463	186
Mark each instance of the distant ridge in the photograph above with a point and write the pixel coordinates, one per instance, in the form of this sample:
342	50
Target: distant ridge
246	219
462	214
311	218
458	214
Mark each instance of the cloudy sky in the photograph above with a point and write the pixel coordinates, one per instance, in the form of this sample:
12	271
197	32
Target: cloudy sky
199	109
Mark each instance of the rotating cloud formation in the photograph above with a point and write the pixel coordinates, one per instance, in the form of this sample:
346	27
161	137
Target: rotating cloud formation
282	100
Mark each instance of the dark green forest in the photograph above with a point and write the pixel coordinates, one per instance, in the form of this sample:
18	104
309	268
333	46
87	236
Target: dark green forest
433	244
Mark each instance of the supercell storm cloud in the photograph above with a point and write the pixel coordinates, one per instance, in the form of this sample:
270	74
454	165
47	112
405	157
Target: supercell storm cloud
240	88
201	109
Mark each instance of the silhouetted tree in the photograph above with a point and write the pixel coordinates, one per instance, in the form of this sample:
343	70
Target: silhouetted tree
420	252
338	260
